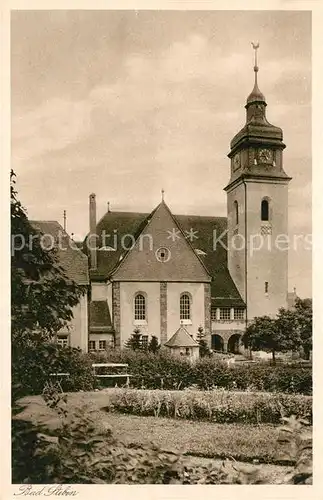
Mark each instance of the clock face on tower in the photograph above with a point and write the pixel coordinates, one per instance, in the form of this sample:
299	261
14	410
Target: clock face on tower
236	161
265	156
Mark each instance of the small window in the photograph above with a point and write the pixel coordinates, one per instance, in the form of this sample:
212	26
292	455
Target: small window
265	210
213	314
266	286
236	213
187	351
225	313
102	345
185	307
62	340
144	341
140	307
239	313
92	345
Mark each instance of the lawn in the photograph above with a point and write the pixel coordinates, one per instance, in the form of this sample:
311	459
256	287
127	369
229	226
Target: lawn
243	442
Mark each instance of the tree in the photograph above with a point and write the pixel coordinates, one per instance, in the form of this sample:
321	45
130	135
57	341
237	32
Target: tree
42	295
204	349
153	345
297	323
304	315
134	342
266	334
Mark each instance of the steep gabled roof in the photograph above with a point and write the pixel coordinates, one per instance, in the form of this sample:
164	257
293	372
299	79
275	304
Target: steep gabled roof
203	239
163	231
181	338
71	258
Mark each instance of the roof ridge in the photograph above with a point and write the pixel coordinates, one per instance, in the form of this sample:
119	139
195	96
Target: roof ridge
112	212
44	220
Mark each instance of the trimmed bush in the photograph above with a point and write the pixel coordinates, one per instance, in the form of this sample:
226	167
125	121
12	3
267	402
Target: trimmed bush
215	406
163	371
151	371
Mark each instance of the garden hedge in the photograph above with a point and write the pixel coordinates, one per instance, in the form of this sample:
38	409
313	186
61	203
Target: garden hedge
216	406
154	371
162	371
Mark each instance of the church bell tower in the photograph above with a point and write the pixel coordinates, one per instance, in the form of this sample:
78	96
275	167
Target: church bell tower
257	209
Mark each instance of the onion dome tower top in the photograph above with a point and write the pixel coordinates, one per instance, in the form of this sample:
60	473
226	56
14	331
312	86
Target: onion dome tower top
256	150
257	127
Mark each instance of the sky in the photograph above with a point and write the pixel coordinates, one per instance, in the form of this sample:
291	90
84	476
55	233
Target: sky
126	103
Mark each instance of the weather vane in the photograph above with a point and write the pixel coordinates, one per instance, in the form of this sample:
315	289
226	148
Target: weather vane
255	46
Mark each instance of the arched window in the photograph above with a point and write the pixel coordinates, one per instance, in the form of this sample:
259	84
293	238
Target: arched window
140	307
185	307
265	210
236	212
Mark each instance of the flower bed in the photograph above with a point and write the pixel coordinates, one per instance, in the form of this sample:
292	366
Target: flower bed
216	406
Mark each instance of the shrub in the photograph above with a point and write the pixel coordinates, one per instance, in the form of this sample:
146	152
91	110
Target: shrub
207	373
161	370
294	379
151	371
216	406
38	362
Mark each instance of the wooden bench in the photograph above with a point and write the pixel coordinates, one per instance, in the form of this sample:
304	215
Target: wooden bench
111	375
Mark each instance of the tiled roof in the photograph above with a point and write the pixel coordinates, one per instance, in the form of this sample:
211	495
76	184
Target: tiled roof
206	231
163	230
99	316
215	258
114	225
181	338
71	258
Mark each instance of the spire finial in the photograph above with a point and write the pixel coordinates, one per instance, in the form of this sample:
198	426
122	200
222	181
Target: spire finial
255	46
256	95
108	207
64	218
162	194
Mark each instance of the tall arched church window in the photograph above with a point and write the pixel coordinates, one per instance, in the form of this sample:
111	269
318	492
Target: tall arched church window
185	307
265	210
140	307
236	212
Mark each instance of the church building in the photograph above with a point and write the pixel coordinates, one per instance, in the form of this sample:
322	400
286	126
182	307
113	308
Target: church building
169	275
160	271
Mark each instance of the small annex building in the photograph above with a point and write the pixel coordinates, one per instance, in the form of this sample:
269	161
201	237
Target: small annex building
182	344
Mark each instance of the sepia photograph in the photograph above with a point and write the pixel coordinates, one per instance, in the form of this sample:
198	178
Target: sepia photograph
161	248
